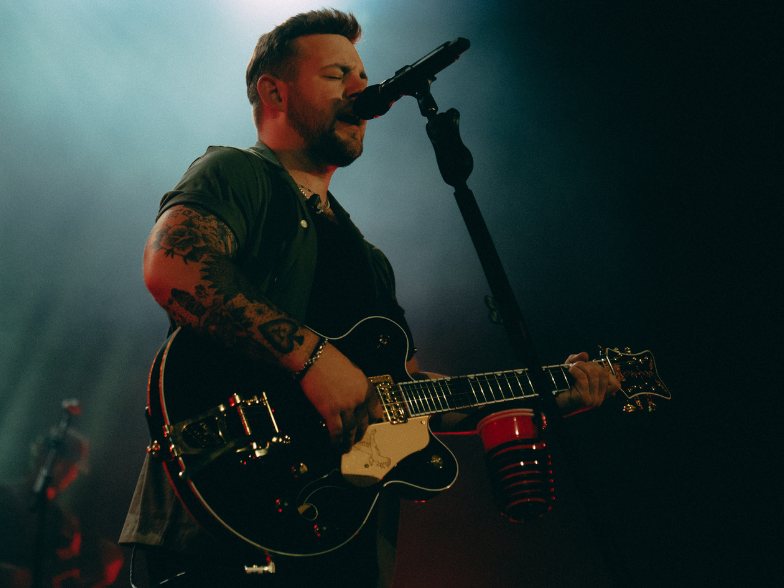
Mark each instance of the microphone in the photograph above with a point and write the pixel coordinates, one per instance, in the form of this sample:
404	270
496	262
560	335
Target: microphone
408	81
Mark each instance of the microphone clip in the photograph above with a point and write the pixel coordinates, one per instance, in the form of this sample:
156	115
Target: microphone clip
316	205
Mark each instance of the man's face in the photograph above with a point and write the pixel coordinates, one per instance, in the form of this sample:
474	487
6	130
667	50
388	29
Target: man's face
329	75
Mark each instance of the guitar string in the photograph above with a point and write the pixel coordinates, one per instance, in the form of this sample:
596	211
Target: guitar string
425	398
433	396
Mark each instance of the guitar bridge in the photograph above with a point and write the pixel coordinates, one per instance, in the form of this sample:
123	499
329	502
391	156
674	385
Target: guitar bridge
227	428
391	399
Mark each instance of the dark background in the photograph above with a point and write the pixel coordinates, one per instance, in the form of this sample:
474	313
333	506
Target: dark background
628	163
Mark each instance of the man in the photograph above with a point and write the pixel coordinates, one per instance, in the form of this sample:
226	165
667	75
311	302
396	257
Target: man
252	250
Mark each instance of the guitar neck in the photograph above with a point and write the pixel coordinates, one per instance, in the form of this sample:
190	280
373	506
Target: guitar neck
427	397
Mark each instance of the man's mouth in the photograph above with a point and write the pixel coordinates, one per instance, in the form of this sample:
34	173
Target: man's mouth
349	118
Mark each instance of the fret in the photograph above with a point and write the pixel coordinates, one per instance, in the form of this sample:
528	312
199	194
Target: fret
559	375
413	399
519	385
417	404
446	394
409	398
495	387
492	386
407	405
442	393
532	390
478	380
508	382
470	381
431	401
504	387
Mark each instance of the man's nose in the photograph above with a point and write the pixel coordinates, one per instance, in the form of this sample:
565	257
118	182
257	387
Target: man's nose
355	86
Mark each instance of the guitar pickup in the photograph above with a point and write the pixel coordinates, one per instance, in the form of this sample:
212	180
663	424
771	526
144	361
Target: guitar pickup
391	399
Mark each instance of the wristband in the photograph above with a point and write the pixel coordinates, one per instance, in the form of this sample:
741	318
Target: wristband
314	355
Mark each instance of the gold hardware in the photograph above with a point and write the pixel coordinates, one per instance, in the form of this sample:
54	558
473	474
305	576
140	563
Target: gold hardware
308	511
391	398
154	448
299	470
258	569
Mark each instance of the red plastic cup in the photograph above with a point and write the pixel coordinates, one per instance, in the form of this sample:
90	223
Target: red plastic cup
519	463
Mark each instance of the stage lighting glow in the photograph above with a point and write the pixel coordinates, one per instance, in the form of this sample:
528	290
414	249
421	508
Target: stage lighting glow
276	12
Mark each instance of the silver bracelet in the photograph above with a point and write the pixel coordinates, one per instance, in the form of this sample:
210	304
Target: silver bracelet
314	355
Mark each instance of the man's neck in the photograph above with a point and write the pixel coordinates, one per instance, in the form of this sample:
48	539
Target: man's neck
314	178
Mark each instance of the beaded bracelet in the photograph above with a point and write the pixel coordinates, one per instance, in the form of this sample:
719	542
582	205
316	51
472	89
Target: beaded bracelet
314	355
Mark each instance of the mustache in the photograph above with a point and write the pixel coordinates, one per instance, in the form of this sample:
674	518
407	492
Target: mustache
347	115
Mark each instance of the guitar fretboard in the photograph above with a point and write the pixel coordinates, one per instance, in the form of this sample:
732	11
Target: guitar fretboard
425	397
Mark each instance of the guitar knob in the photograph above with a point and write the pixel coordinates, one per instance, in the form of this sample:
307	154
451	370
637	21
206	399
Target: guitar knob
298	470
436	461
308	511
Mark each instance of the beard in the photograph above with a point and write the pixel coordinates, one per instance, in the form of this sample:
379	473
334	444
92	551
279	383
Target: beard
323	144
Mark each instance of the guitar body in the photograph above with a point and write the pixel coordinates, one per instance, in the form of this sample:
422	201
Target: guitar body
251	459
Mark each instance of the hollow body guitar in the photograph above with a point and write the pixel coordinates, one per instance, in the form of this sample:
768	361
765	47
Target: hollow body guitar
250	457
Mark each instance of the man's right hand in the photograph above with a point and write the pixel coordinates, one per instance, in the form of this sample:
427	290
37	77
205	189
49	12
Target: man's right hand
343	396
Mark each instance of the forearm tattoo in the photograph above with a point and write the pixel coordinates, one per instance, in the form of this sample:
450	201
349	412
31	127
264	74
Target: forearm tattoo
224	303
281	334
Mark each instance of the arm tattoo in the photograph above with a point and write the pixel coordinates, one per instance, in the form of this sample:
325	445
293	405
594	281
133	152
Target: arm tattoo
194	236
187	302
225	303
281	334
221	274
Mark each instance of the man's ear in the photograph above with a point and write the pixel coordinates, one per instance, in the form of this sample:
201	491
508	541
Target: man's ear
272	91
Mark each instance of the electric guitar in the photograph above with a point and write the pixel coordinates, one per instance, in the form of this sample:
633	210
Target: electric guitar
250	457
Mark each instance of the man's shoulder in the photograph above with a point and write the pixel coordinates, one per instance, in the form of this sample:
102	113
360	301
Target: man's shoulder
228	157
221	166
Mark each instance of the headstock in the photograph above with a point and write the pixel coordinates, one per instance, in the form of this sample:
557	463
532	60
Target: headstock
638	376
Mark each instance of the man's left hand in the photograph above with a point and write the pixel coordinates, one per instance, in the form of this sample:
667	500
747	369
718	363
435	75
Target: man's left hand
593	382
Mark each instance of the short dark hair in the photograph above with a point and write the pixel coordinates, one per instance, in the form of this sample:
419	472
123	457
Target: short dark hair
275	49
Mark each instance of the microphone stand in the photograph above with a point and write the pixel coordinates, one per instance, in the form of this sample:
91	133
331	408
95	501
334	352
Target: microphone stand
40	500
456	163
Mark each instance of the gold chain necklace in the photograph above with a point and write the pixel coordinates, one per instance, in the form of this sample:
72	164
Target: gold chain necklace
319	204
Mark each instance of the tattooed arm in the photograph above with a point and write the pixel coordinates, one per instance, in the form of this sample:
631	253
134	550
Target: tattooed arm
190	269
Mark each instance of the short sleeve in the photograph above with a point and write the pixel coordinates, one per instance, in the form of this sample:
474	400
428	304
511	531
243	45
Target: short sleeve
225	183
